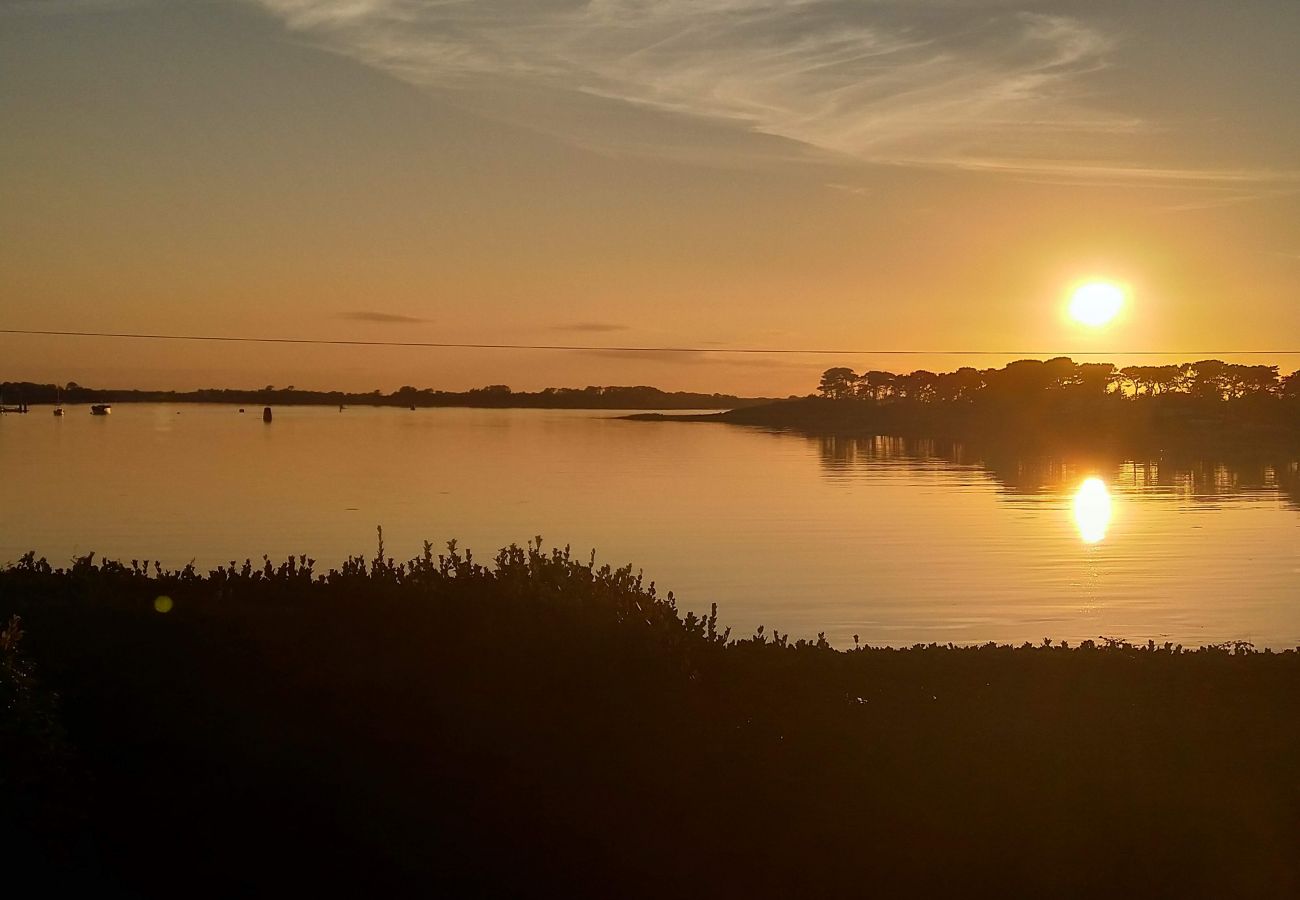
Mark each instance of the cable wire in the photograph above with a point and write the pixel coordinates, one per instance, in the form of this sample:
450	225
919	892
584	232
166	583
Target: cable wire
584	348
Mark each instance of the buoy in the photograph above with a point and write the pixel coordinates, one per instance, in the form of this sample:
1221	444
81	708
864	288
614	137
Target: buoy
266	414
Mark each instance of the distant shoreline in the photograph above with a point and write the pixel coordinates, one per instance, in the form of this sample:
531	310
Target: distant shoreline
1159	424
490	397
1207	406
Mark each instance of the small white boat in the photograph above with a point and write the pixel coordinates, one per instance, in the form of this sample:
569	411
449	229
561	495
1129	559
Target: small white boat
101	409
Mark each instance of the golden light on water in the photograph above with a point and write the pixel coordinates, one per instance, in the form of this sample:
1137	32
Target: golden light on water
1092	510
1096	303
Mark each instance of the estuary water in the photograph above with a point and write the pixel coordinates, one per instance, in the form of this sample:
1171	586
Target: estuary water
895	541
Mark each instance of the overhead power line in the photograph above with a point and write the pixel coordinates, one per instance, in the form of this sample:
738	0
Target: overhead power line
591	348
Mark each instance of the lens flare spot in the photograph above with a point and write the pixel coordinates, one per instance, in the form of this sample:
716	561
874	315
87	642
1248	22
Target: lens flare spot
163	604
1092	510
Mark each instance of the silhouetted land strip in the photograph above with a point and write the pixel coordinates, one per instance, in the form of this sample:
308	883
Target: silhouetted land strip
1208	405
545	727
495	396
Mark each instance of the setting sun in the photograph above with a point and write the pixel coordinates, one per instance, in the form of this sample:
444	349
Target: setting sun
1096	303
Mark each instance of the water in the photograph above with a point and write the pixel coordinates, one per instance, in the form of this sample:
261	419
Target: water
897	542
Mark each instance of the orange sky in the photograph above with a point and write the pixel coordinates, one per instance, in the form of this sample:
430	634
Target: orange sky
721	173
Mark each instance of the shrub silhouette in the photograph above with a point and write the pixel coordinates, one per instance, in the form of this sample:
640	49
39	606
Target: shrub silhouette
538	722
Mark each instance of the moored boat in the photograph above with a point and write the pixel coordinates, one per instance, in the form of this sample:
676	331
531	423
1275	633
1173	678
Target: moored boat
20	408
101	409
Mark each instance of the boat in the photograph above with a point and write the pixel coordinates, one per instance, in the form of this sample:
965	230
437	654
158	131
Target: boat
58	410
58	401
101	409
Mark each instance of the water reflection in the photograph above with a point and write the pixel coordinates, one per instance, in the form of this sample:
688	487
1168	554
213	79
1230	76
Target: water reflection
1092	510
1188	479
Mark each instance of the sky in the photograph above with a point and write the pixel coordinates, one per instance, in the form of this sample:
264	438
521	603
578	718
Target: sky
930	175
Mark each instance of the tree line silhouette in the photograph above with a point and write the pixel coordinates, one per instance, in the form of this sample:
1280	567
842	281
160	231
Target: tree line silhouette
495	396
1208	405
1207	379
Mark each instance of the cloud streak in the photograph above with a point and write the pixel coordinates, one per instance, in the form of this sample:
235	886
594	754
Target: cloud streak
65	7
703	357
380	317
590	327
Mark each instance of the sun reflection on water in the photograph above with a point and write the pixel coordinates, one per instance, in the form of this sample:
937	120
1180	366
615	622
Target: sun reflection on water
1092	510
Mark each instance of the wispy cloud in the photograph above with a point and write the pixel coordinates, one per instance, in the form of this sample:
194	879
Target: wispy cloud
856	190
974	85
590	327
65	7
1216	200
668	356
704	357
1080	171
931	81
381	317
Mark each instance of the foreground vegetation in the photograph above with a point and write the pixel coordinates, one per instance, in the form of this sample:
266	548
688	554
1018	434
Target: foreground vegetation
541	724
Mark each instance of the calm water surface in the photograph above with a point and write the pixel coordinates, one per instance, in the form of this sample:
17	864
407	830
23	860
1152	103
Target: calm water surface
897	542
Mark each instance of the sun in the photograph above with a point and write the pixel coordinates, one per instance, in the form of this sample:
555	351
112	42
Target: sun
1096	303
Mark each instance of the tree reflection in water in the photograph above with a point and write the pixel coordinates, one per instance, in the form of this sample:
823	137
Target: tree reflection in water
1186	478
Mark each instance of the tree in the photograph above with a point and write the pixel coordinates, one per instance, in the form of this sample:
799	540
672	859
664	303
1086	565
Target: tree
1207	379
1254	380
879	385
1059	372
918	386
1096	378
1024	377
1134	378
963	384
1290	387
1166	379
838	383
